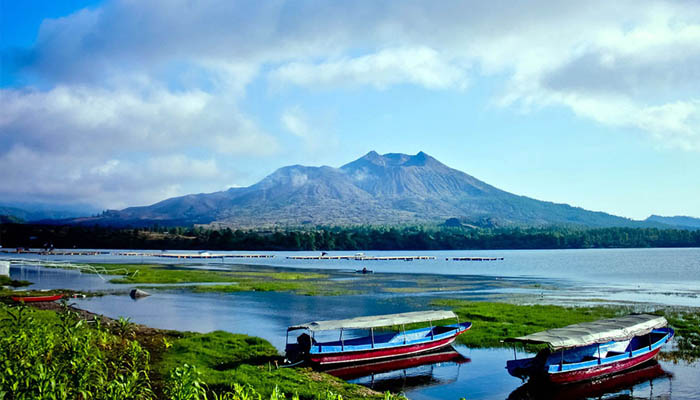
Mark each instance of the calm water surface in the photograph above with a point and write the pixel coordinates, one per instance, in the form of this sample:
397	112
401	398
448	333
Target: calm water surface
656	276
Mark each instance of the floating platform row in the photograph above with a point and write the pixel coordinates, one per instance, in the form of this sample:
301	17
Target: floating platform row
197	255
192	255
57	252
362	258
206	255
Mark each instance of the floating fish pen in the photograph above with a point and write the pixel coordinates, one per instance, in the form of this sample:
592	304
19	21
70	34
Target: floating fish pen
477	258
362	258
58	252
249	256
191	255
207	255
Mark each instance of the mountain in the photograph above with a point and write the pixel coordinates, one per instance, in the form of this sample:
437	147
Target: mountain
374	189
32	212
680	222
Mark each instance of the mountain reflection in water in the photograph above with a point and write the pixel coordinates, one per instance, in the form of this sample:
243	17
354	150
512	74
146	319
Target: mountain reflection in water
400	374
628	385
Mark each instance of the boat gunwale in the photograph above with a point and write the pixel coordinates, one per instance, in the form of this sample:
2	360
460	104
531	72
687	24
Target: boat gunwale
459	328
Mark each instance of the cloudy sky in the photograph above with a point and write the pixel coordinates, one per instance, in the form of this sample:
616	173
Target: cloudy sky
127	102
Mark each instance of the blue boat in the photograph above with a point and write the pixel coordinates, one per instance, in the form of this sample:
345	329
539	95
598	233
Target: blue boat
373	346
590	350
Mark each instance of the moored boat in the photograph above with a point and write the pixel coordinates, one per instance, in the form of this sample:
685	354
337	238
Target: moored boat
372	347
35	299
590	350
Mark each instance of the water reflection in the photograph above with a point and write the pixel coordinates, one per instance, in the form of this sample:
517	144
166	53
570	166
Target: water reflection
400	374
637	383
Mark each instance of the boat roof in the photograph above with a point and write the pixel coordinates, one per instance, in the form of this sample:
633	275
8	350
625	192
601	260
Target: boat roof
602	331
376	321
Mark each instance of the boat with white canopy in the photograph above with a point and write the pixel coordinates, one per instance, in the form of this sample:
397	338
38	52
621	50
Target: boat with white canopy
591	349
351	348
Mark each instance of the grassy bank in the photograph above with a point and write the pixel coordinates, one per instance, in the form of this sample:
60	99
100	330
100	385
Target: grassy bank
222	358
67	353
6	281
237	279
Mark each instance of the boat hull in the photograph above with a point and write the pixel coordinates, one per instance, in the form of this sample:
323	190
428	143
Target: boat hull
37	299
601	370
378	354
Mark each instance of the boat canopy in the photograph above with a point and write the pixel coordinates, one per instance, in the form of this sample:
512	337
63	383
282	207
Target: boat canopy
376	321
602	331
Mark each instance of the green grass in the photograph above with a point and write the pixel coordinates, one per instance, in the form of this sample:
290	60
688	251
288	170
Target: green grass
223	358
494	322
687	326
48	355
304	283
6	281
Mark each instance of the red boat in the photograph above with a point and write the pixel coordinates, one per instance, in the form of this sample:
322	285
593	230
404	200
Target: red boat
373	347
590	350
35	299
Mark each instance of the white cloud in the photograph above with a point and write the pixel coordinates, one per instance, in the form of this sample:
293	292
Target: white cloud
85	143
294	121
420	66
61	178
315	137
133	80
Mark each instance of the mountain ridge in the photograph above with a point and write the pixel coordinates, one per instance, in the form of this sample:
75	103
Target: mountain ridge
375	189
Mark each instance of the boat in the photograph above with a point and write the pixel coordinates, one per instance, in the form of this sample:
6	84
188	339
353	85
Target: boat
590	350
371	347
36	299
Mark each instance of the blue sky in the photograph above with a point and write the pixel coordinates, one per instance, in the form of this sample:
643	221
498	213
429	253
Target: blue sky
121	103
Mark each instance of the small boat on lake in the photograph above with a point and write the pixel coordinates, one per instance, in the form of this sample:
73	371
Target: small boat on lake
36	299
374	346
590	350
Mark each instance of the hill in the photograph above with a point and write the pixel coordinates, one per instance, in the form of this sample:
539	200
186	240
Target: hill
374	189
679	222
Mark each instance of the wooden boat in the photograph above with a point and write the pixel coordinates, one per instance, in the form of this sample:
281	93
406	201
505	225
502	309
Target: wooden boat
373	346
590	350
35	299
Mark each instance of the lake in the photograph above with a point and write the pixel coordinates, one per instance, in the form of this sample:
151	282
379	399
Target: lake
644	276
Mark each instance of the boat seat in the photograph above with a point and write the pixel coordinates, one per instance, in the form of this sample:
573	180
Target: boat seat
614	353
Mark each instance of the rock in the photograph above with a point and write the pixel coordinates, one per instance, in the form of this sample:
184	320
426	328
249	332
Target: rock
138	293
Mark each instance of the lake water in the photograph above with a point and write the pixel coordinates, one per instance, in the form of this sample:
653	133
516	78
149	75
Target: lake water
651	276
655	276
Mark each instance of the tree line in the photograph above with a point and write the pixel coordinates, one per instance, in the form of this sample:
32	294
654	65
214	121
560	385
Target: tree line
341	238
